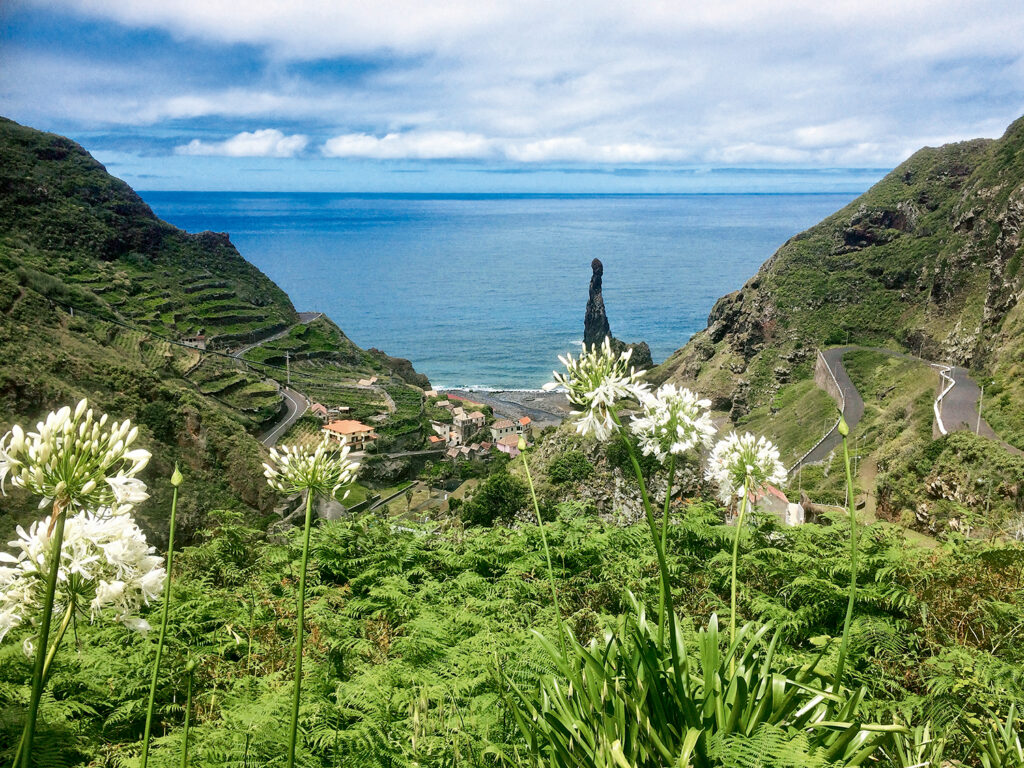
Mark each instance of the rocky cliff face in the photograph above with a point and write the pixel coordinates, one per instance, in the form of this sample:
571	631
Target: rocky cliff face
595	321
929	260
596	326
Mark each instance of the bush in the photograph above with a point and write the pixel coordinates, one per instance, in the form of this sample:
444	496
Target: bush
498	499
569	467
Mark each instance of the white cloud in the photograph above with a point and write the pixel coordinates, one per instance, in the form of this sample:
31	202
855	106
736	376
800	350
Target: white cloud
268	142
426	145
457	145
602	81
575	149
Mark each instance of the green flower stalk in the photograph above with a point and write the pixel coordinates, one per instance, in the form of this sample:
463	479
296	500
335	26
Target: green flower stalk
735	562
742	464
176	479
189	670
72	461
323	471
544	541
844	430
673	421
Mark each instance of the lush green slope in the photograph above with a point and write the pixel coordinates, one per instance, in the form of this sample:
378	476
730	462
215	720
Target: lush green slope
409	634
929	259
95	290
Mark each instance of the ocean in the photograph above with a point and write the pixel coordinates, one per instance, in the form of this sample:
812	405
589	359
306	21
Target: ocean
485	291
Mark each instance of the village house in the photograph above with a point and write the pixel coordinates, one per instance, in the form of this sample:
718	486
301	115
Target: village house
357	433
430	394
198	341
468	424
320	411
508	444
503	428
368	382
447	432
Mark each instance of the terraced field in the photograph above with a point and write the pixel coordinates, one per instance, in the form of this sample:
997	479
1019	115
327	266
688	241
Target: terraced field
256	399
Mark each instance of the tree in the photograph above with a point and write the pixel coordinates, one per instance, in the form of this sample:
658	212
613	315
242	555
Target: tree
498	499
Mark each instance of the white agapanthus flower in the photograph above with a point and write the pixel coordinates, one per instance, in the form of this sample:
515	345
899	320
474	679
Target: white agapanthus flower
674	421
739	461
77	459
594	383
106	568
324	469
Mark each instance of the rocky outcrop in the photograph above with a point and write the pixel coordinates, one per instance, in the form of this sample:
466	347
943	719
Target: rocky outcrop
595	322
401	368
596	326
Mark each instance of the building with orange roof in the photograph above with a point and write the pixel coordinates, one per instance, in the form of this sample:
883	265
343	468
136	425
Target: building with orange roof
355	432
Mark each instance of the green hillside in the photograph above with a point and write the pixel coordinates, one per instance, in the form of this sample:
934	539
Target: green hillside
96	296
928	260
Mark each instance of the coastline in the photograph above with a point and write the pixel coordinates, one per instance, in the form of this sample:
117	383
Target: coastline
544	408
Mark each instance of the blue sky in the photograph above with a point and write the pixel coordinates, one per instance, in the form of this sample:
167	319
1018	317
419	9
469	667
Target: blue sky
469	95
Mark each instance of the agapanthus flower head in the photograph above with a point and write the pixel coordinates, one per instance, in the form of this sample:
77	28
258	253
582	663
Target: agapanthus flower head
739	461
594	382
106	568
78	459
674	421
323	469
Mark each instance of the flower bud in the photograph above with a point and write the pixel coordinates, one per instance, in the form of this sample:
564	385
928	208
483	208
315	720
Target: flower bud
844	429
176	477
89	487
522	443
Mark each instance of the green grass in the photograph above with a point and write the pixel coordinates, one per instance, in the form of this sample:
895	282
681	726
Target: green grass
795	419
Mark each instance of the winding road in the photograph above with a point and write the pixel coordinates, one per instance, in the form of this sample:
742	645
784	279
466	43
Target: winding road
296	404
958	409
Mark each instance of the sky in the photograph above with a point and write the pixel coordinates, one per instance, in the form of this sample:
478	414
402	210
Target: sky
523	95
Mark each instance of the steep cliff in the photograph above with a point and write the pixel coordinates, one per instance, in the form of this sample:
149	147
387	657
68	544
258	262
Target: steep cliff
928	260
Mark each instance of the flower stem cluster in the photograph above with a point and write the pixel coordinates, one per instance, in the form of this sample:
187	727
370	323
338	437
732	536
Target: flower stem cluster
322	470
740	462
674	421
318	471
77	460
106	566
594	383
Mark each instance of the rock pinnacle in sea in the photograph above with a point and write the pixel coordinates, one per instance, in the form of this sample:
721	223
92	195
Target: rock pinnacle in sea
595	323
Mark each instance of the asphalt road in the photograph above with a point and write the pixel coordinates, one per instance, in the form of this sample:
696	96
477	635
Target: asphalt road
853	411
959	408
295	405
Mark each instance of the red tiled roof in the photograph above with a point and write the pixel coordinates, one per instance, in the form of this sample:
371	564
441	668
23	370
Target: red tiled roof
348	427
525	420
503	424
509	440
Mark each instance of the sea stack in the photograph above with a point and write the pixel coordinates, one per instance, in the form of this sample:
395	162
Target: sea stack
596	326
595	323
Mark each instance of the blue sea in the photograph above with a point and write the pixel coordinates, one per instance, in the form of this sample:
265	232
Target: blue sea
485	291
